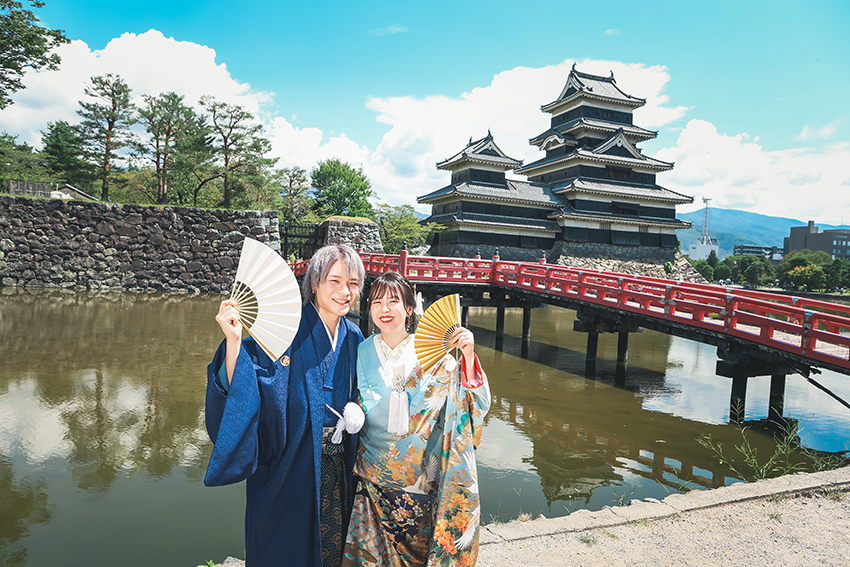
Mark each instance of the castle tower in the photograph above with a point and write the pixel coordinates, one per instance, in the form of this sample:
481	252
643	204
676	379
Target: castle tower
593	164
482	210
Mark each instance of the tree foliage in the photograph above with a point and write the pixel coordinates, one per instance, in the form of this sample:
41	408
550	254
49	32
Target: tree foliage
20	162
292	185
171	127
106	121
339	189
62	148
237	145
24	45
399	225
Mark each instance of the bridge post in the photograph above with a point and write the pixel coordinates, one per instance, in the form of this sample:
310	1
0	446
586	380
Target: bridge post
402	261
464	316
622	346
737	399
526	331
590	355
777	397
500	323
740	366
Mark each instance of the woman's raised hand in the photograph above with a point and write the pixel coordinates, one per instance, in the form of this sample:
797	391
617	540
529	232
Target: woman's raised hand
228	320
463	339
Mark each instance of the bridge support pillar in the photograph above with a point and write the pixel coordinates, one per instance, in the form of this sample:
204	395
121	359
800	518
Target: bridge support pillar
738	399
464	316
500	324
590	355
777	398
526	331
593	325
740	366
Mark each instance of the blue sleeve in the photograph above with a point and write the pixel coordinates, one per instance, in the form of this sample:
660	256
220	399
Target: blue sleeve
232	417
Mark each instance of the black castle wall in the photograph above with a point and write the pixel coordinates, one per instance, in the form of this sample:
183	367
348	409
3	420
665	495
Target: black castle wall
77	244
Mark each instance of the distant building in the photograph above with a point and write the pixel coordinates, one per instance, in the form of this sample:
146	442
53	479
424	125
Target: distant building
705	244
772	253
593	186
834	242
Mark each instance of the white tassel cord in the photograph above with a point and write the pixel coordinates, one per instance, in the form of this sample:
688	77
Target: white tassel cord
351	421
399	420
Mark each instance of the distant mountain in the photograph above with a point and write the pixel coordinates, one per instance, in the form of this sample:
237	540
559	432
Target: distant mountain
731	227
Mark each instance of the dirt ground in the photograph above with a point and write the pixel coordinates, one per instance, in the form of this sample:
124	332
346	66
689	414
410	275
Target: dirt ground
800	530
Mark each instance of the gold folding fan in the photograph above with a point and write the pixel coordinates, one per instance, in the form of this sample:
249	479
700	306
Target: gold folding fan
267	296
435	329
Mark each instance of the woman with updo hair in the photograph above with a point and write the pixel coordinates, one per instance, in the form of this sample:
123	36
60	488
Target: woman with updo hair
416	500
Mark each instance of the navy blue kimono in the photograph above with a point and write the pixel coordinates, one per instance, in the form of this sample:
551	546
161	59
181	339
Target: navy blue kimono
268	429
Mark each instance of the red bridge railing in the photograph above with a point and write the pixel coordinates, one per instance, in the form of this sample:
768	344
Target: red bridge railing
817	330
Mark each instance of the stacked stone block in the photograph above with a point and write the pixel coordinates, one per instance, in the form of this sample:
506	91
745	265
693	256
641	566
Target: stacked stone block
77	244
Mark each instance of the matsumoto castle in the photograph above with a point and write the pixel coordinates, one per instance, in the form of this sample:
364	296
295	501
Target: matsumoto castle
593	186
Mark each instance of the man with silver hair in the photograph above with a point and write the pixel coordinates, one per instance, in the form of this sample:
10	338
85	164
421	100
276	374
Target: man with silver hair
279	424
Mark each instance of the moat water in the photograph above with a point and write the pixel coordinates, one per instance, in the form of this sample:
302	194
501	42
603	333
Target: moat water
103	447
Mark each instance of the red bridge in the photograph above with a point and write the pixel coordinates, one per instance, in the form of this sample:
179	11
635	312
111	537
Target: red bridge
757	333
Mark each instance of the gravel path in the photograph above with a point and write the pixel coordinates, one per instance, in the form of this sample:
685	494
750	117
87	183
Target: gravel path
796	520
799	520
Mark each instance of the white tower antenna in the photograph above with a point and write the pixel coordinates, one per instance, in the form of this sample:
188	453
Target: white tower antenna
705	238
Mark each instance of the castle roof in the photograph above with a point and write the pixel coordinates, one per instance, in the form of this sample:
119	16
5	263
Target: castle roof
615	188
585	85
481	219
563	132
571	213
514	191
616	150
483	151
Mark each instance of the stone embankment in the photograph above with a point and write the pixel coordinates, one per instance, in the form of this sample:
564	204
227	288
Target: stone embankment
78	244
632	260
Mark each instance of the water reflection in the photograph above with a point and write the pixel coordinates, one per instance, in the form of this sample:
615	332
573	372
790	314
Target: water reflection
103	449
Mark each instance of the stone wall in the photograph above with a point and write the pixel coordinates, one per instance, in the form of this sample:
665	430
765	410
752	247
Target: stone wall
360	233
77	244
633	260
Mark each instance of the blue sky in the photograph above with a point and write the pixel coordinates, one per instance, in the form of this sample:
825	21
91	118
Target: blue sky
749	98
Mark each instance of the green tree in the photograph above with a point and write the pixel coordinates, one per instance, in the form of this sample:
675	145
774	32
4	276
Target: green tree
20	162
63	152
24	45
237	143
810	276
105	127
292	186
722	271
837	274
400	224
704	269
339	189
170	126
712	259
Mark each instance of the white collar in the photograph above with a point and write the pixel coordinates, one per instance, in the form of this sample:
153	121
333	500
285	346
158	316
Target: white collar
331	337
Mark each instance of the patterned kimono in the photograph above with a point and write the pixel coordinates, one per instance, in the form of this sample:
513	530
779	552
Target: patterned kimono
417	500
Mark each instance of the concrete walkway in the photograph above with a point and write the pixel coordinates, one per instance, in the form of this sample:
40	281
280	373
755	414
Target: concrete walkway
801	519
794	520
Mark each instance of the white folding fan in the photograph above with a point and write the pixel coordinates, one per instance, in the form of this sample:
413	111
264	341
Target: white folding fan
435	330
267	297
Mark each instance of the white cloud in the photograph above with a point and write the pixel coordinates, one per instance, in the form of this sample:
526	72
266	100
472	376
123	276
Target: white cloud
737	173
424	131
389	30
811	133
150	63
305	147
612	31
